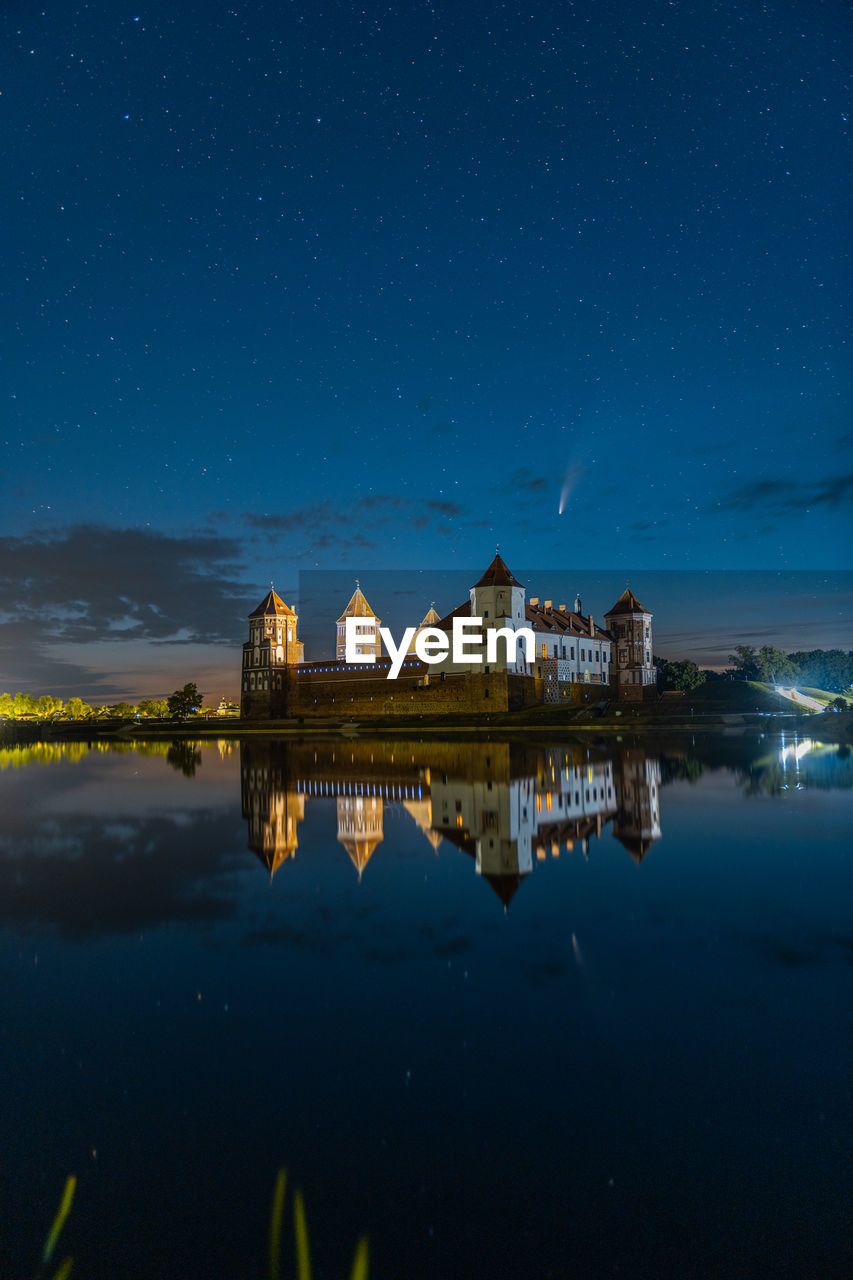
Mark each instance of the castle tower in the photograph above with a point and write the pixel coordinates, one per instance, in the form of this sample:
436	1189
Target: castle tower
356	608
499	599
631	672
272	645
431	619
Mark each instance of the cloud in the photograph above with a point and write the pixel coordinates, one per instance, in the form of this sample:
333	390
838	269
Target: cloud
642	526
786	497
528	482
86	880
90	582
449	509
84	610
325	526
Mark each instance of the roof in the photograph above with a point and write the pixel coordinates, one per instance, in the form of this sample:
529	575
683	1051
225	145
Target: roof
431	618
562	621
357	606
505	886
637	846
497	575
462	611
627	603
272	604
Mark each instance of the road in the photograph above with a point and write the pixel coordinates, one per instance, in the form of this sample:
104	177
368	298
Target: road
801	699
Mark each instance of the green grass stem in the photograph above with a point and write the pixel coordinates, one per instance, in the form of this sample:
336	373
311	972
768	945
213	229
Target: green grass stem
275	1224
59	1220
300	1228
359	1265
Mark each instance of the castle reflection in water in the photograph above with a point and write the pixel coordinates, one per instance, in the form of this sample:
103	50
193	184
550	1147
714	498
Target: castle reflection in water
505	805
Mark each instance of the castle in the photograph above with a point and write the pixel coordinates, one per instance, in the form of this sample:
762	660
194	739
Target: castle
507	806
575	660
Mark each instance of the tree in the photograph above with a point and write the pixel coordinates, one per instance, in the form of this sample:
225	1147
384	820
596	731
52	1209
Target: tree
77	709
830	669
153	707
183	701
745	662
23	704
684	675
774	665
123	709
47	705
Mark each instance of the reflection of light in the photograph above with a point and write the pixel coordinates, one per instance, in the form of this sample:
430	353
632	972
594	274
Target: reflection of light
795	752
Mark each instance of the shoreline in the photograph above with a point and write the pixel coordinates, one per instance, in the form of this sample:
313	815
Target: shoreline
636	722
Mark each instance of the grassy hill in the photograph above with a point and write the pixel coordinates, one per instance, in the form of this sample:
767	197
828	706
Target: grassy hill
822	695
728	696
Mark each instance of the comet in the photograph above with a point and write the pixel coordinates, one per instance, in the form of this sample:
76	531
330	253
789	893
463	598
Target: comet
570	480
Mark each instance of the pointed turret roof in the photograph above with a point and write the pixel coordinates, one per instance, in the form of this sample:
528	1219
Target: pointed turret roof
627	603
272	604
637	846
357	606
505	886
497	575
360	851
431	618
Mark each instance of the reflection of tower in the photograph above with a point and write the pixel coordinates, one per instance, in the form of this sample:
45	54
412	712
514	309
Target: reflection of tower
421	811
491	821
357	607
637	824
274	815
360	827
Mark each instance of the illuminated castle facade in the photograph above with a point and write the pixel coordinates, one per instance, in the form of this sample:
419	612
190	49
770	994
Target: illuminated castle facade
576	659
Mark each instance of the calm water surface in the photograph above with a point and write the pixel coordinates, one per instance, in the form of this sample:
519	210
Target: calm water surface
511	1010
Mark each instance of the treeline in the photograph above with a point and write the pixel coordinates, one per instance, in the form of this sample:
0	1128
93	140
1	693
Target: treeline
26	706
830	669
183	702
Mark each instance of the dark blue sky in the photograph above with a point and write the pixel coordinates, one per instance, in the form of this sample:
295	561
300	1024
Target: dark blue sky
316	285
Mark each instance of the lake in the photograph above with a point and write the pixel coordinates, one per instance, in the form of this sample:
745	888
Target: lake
510	1009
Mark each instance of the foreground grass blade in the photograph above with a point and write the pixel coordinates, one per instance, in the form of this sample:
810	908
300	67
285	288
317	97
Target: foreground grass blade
275	1223
63	1272
359	1265
59	1220
303	1260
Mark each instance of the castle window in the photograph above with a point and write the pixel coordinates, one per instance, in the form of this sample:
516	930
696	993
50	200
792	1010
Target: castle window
583	655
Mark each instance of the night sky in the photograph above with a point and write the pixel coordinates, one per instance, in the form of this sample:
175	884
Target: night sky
294	286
